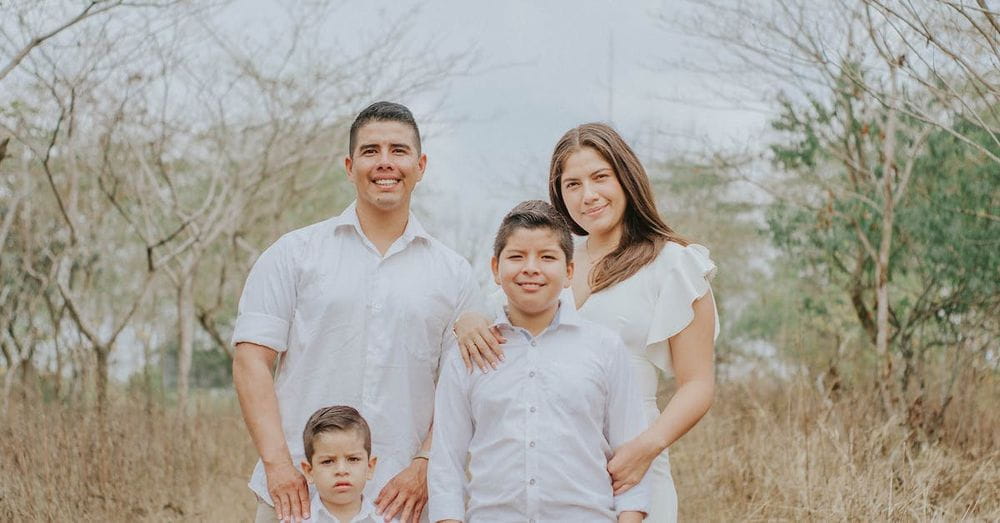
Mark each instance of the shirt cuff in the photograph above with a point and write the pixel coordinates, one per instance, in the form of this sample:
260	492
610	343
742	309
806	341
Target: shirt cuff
636	499
443	506
262	329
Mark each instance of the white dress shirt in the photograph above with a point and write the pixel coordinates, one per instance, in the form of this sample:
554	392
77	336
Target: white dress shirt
319	514
539	431
356	328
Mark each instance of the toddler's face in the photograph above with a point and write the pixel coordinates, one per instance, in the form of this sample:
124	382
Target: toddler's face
340	466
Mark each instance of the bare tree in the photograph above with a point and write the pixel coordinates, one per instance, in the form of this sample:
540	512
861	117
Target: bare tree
860	87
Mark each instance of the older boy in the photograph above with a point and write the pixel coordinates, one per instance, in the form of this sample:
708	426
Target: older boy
357	307
540	429
338	447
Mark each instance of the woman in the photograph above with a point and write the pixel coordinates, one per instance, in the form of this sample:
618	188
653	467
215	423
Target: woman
635	275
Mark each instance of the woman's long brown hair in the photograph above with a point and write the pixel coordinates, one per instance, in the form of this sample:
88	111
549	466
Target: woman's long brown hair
644	233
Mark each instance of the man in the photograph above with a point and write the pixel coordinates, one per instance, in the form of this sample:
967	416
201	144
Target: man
357	307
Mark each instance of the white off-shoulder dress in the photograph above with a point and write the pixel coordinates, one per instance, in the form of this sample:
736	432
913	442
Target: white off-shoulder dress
646	310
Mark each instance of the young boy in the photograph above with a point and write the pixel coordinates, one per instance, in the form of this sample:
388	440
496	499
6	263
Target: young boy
539	431
338	462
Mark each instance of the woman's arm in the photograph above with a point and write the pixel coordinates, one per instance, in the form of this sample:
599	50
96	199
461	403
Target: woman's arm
692	354
478	341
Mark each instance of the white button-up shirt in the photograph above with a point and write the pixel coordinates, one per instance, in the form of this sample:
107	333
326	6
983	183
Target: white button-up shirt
319	514
356	328
539	431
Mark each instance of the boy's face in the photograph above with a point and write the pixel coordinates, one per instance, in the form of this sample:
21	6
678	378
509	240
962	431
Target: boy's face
532	270
340	466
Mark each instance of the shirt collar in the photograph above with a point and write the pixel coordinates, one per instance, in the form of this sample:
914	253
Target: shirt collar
566	315
349	218
317	508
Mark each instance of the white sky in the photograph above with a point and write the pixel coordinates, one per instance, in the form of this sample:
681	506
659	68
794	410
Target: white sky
546	70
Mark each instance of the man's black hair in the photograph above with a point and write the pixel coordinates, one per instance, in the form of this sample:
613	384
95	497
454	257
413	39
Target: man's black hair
383	112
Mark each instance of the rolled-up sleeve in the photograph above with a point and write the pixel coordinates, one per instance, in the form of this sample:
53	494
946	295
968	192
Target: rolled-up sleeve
268	301
452	434
625	420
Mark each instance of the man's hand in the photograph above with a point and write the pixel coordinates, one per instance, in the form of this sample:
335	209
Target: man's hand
289	491
630	462
405	494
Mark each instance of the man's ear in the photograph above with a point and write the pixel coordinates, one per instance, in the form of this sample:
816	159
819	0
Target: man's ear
421	166
371	466
569	275
307	470
495	267
348	164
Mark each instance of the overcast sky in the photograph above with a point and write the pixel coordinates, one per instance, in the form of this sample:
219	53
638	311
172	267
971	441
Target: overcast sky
548	66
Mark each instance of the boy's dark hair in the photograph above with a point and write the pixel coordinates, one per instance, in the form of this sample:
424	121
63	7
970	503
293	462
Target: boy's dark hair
383	112
534	214
337	418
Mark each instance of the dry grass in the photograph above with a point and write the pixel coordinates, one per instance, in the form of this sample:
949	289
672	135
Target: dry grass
767	451
60	463
773	451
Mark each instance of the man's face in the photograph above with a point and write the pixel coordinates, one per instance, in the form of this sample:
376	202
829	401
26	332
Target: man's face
385	165
532	270
340	466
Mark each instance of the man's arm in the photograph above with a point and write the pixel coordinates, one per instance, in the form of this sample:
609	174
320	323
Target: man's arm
252	365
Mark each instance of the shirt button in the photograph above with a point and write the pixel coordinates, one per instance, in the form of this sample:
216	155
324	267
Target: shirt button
532	444
534	343
531	481
531	374
532	409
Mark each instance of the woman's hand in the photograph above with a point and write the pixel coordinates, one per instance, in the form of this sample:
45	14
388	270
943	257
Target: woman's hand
630	462
478	341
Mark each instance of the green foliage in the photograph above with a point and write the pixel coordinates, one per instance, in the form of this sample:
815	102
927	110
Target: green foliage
943	268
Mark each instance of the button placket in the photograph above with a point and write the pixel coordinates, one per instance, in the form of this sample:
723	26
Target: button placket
533	397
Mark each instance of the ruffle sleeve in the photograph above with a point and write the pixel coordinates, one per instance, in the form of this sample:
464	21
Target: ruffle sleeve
683	275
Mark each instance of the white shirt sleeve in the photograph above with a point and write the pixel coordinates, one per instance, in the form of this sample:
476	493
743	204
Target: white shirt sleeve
268	300
625	420
452	434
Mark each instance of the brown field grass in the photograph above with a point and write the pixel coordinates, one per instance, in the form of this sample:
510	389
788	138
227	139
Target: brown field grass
766	451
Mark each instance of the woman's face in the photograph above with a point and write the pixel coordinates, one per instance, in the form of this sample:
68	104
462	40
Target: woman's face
593	196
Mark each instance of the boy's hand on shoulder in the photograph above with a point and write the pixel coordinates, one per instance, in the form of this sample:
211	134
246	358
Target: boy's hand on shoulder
631	516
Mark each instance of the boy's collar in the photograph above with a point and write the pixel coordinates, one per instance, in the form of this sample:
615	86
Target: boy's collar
566	314
366	510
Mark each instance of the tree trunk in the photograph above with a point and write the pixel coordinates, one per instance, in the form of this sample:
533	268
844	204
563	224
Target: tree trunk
886	378
102	354
8	384
185	331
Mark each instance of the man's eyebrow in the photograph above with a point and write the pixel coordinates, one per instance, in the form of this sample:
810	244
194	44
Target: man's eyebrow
403	145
